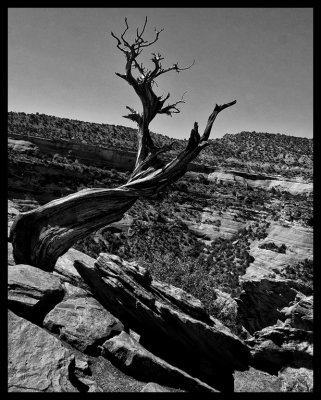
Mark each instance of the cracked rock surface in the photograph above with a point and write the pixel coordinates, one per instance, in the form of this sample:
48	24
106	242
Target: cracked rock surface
37	361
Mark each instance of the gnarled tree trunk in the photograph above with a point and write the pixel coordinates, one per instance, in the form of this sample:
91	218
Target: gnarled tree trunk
40	236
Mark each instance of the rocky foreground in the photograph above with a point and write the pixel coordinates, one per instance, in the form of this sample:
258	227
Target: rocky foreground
107	325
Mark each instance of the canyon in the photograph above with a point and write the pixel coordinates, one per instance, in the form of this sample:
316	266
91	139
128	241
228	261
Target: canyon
221	310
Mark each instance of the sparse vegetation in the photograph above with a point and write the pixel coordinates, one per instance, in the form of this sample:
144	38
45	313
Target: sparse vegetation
257	152
174	255
273	247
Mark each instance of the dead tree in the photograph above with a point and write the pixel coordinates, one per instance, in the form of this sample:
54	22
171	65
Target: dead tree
40	236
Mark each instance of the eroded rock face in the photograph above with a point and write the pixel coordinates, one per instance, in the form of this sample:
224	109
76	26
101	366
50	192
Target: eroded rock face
208	230
12	213
300	313
32	292
37	361
299	246
177	331
225	308
142	364
276	347
255	380
82	322
258	181
22	146
296	380
11	260
261	301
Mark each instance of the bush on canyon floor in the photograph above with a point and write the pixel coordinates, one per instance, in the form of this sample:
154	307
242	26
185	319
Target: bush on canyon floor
273	247
174	255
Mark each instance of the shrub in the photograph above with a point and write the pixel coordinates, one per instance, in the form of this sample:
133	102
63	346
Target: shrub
273	247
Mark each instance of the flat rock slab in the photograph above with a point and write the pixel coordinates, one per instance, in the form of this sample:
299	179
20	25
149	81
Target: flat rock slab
32	292
37	361
133	358
82	322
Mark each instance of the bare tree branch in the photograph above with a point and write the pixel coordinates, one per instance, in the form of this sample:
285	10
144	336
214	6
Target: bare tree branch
123	34
139	35
171	108
174	67
134	116
212	117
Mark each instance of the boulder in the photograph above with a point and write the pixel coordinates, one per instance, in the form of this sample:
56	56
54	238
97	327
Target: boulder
262	299
277	347
32	293
172	325
134	359
37	361
65	269
82	322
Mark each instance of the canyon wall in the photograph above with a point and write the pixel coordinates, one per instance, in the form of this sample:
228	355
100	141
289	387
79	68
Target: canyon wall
101	156
112	158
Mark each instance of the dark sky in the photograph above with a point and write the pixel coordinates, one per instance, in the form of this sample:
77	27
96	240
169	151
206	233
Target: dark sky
62	62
